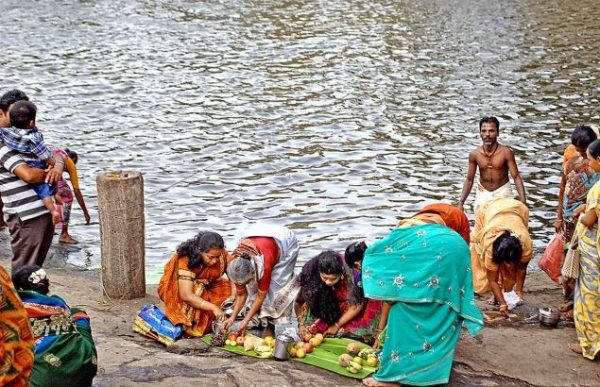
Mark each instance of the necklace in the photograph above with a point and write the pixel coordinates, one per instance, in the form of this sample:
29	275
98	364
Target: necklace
490	155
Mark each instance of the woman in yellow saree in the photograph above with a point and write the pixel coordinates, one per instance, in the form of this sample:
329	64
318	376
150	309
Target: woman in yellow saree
192	286
586	310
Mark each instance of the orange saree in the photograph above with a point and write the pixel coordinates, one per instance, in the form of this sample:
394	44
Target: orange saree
452	216
208	284
16	338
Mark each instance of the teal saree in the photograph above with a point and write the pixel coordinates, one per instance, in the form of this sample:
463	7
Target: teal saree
425	272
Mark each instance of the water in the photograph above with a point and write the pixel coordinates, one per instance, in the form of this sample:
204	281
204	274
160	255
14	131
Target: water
331	117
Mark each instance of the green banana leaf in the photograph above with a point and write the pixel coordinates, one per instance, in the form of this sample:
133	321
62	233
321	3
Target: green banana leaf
237	349
326	356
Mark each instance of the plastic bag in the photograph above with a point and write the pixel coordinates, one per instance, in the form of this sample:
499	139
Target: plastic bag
552	258
159	323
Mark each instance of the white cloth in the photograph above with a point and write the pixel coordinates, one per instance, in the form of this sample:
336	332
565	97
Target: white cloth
283	271
482	195
512	299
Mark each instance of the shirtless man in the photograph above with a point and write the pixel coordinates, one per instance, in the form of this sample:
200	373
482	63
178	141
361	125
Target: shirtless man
494	161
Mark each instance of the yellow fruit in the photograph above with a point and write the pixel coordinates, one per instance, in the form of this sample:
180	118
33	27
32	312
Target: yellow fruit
270	341
358	360
372	361
262	348
314	342
300	353
356	365
319	336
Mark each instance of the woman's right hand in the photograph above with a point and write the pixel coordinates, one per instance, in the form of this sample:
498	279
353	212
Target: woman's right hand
504	310
228	323
218	313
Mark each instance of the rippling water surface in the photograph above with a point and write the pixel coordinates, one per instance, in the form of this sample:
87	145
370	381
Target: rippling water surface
331	117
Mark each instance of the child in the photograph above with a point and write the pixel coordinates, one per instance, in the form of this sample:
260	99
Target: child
24	137
66	194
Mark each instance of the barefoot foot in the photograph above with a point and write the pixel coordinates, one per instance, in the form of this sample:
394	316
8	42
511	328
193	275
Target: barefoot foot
371	382
575	347
67	239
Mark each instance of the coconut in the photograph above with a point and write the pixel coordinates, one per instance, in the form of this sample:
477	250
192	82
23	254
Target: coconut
344	360
353	349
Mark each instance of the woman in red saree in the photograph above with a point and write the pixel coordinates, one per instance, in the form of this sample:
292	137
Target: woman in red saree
332	302
192	286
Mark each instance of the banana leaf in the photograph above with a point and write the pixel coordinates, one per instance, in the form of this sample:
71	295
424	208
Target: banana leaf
229	348
326	356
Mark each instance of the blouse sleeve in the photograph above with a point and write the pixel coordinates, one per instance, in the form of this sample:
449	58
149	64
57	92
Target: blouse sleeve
183	272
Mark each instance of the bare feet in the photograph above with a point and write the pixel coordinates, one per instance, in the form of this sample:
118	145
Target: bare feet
575	347
569	314
371	382
566	306
491	301
66	238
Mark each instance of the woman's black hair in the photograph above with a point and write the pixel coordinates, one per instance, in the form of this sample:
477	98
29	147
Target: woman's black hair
72	155
506	248
594	149
201	243
22	282
583	136
321	298
355	252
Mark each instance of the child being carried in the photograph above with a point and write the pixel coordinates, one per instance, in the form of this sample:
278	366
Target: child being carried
25	138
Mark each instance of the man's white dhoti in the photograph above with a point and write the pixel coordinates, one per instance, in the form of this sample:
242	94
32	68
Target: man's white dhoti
482	195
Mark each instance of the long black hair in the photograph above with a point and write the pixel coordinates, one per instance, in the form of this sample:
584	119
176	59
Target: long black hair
201	243
321	298
506	248
355	252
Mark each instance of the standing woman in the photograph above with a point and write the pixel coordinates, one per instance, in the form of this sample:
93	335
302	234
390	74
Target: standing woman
423	270
586	310
192	286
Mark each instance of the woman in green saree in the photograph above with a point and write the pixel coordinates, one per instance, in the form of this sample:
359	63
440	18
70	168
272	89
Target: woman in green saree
65	354
423	270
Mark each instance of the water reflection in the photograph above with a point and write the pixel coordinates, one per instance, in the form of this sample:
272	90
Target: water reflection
334	118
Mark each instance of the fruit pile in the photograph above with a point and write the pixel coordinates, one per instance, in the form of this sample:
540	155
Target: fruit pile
357	357
310	342
262	347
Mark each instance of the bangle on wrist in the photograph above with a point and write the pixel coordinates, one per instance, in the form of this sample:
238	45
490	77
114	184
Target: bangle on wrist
503	306
336	325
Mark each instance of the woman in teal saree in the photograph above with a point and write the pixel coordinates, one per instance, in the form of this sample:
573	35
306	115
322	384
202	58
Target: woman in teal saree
423	270
65	354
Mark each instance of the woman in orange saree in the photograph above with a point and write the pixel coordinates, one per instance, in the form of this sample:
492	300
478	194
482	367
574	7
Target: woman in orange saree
16	337
193	287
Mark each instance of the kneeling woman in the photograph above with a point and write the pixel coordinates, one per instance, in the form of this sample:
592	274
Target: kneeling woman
192	286
64	349
423	270
332	302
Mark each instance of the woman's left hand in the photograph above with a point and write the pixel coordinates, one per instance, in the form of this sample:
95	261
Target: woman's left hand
332	330
242	327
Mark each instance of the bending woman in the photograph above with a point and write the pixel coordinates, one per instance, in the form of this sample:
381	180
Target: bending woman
192	286
64	349
423	271
263	273
332	302
501	248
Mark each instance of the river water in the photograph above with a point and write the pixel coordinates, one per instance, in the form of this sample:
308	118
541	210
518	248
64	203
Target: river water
331	117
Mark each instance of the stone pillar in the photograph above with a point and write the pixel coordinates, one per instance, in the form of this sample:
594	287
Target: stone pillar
122	225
